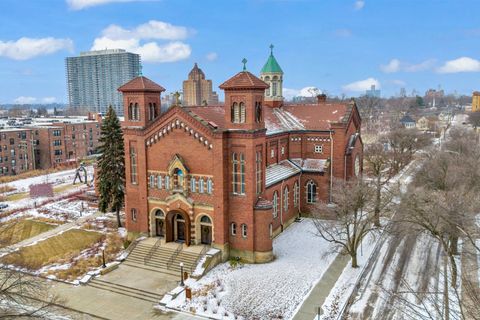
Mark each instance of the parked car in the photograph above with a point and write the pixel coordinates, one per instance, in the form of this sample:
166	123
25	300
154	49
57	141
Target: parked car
3	206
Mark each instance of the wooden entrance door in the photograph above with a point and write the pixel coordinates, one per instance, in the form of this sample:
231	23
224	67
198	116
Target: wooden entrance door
180	230
206	234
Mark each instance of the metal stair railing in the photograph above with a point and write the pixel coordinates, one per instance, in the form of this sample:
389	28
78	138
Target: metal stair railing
174	255
152	251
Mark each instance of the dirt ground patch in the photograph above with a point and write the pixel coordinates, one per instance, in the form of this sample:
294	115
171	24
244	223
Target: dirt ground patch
19	230
64	246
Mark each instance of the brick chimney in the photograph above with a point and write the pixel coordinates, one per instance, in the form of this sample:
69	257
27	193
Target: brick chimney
322	98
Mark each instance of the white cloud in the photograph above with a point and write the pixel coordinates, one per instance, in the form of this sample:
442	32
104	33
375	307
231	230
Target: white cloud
396	65
362	85
24	100
153	29
131	40
392	66
212	56
49	100
305	92
27	48
359	4
463	64
83	4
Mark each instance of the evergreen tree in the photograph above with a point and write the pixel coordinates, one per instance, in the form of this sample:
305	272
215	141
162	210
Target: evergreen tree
111	165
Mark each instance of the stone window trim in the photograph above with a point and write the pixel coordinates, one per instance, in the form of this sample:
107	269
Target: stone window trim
133	214
311	193
244	230
318	148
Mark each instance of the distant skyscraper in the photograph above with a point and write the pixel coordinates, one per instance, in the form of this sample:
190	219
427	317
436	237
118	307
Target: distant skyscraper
94	77
373	92
196	90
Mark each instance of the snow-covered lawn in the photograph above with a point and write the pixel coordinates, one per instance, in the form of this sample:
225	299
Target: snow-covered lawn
263	291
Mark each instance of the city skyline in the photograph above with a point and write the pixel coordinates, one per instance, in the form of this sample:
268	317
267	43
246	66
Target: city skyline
335	46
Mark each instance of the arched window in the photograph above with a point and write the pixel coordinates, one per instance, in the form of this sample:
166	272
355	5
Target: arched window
235	167
133	165
233	228
178	179
242	173
201	186
193	184
209	186
150	113
136	112
274	89
258	111
311	192
270	230
285	199
205	219
243	115
155	112
258	171
130	111
275	204
235	113
244	230
133	213
159	214
296	194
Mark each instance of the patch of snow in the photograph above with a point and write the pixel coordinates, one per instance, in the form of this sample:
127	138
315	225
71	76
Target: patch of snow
300	260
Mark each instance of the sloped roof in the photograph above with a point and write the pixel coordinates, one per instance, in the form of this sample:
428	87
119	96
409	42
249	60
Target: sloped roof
244	79
287	118
310	165
280	171
141	83
406	119
271	66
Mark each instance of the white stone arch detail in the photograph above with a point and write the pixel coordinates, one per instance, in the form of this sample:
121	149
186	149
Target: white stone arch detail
198	232
151	221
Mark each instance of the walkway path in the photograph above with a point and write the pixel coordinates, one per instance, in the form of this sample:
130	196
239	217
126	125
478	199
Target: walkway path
316	298
49	233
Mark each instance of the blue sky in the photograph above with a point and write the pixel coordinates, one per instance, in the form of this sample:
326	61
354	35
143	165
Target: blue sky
340	46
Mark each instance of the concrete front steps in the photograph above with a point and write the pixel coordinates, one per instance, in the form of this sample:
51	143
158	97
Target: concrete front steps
126	291
161	259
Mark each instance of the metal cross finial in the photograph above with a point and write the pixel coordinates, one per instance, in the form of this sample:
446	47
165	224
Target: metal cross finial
244	61
271	49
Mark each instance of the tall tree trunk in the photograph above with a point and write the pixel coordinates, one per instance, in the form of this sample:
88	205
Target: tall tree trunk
454	270
376	220
118	218
354	259
454	245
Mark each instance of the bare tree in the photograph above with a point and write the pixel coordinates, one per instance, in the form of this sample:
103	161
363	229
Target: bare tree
378	163
474	119
353	220
25	296
403	144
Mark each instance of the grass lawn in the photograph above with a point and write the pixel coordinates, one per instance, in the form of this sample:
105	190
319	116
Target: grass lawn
17	196
52	250
24	195
18	230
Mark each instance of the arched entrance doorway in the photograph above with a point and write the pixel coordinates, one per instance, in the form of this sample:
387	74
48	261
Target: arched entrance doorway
205	230
178	227
159	223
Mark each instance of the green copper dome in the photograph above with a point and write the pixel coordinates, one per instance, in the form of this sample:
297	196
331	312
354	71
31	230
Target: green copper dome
271	66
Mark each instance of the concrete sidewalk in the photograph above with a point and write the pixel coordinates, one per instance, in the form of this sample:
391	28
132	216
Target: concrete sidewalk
49	233
316	297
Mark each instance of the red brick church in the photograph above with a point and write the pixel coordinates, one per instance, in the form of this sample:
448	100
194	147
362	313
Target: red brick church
233	175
